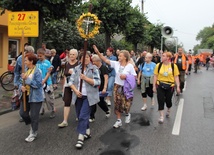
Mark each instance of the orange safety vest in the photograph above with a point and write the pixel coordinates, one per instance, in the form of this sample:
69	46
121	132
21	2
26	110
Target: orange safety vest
183	61
190	59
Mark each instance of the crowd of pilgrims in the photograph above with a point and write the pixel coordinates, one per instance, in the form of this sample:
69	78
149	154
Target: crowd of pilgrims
103	79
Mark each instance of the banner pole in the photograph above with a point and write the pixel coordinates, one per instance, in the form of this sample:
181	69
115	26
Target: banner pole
23	69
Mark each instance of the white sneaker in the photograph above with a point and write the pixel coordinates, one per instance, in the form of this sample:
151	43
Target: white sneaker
117	124
31	137
144	107
108	102
160	121
128	118
109	114
63	124
92	120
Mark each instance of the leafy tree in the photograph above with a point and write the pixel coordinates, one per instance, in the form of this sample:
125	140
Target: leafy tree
121	44
113	14
135	28
48	9
99	41
206	37
195	49
61	34
153	35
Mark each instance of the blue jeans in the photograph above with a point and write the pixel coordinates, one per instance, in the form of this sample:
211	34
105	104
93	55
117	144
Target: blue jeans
110	88
54	78
83	111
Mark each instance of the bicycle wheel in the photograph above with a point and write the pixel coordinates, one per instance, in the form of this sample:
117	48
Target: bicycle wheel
7	81
4	74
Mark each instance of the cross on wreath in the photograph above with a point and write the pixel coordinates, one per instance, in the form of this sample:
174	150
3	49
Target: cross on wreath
86	34
88	22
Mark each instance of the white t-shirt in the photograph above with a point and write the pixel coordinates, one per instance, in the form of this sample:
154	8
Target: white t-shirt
128	69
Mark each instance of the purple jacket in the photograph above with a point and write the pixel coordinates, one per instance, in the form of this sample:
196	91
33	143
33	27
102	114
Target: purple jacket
129	85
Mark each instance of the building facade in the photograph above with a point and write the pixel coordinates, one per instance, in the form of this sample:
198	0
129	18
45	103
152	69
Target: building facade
10	47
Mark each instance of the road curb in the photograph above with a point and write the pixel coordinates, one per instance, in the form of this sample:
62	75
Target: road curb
5	111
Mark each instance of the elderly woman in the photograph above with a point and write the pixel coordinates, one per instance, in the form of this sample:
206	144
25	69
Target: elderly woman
84	95
123	69
165	75
34	99
102	88
67	92
146	73
56	63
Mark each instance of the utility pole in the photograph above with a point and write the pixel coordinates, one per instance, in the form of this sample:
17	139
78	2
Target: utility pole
142	6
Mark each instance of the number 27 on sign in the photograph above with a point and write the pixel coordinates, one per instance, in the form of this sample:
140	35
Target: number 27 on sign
21	16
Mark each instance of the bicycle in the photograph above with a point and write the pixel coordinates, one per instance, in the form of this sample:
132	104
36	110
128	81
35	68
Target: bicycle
6	80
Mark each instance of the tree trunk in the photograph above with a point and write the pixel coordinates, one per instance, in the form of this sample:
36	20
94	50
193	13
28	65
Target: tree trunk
107	39
152	48
135	47
39	39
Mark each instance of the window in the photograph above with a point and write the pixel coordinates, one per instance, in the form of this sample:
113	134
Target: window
1	50
13	48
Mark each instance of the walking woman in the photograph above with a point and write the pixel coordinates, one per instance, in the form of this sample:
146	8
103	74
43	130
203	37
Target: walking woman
122	68
67	92
34	99
146	74
165	75
88	96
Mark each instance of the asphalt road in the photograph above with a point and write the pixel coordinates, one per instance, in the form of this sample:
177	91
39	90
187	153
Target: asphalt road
188	131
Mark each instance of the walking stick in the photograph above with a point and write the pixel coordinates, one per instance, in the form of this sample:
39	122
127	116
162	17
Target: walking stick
23	69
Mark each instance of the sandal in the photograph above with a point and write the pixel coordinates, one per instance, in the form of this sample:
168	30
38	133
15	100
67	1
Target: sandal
86	136
79	144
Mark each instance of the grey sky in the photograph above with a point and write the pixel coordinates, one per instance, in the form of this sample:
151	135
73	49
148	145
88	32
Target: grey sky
186	17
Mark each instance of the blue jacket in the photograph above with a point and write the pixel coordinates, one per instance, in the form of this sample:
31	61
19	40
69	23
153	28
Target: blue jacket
92	91
129	85
112	70
36	88
18	71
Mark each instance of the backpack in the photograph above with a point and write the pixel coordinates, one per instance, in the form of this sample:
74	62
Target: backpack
172	65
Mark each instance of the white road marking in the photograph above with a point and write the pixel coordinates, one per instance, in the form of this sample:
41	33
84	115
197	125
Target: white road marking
177	123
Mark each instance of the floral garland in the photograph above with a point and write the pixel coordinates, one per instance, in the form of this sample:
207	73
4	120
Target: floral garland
95	30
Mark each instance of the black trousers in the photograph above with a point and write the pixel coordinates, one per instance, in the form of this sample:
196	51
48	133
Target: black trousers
148	91
164	96
103	106
31	115
190	67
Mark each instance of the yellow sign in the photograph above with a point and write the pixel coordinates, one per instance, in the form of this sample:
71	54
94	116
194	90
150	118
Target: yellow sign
27	21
